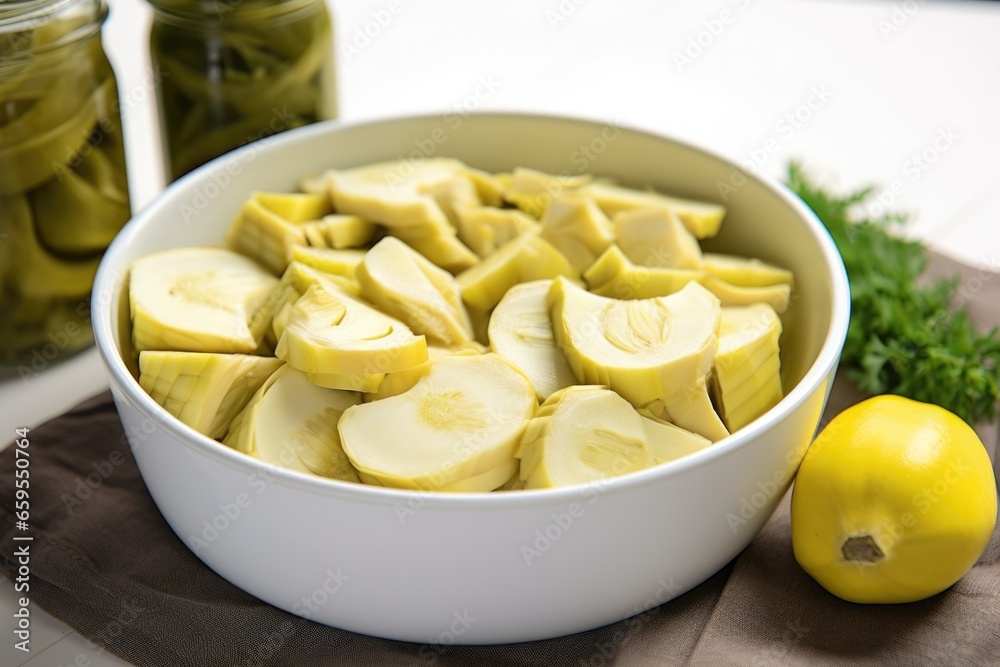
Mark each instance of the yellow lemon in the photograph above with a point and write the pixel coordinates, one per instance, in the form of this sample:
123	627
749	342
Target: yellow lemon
894	502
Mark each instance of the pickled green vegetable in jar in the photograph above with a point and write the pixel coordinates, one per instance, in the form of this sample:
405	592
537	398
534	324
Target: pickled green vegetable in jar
63	186
234	71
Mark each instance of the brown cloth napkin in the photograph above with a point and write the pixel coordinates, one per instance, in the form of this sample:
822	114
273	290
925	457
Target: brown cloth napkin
104	561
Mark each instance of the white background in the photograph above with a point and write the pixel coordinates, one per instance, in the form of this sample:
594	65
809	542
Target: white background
858	91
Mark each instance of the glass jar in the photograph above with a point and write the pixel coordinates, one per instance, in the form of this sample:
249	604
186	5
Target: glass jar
234	71
63	186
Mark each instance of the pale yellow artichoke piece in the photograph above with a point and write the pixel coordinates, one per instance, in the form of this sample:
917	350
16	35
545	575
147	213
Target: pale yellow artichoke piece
656	237
348	382
523	259
439	245
746	381
398	383
643	349
614	275
489	188
484	228
490	480
702	219
294	207
203	390
531	190
301	276
333	333
199	300
577	228
453	196
583	434
776	296
292	423
691	409
240	435
669	442
263	235
520	331
461	420
395	193
339	232
329	260
745	272
402	283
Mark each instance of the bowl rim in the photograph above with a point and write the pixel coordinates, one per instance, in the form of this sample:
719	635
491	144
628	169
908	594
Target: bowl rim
108	282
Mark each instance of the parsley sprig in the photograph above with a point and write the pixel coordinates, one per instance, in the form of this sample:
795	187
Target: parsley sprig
904	338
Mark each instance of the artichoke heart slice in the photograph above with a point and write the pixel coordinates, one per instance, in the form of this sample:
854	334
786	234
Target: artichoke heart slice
657	237
460	421
402	283
614	275
777	296
395	193
746	381
204	390
643	349
485	228
338	232
520	331
670	442
292	423
199	300
703	219
691	408
341	262
263	235
745	272
294	207
577	228
531	190
329	332
527	257
583	434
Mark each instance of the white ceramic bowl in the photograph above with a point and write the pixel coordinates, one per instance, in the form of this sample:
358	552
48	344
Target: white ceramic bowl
483	568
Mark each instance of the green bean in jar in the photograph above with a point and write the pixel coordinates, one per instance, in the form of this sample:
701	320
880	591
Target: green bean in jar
234	71
63	184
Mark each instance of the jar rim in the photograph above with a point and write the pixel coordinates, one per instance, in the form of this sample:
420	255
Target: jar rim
237	11
28	15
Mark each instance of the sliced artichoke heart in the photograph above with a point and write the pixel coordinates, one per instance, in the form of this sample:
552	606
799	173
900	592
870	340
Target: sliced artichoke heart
527	257
204	390
746	381
643	349
407	286
333	333
292	423
703	219
294	207
777	296
520	331
657	237
461	420
577	228
531	190
745	272
614	275
583	434
484	228
199	300
670	442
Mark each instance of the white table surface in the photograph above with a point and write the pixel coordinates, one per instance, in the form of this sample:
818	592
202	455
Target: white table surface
904	93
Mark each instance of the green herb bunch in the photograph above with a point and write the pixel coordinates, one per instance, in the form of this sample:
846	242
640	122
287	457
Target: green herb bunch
904	338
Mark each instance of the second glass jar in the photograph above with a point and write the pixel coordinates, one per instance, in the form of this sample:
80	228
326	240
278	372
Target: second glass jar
234	71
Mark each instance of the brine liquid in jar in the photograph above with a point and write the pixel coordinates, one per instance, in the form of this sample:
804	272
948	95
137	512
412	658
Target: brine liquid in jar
234	71
63	186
